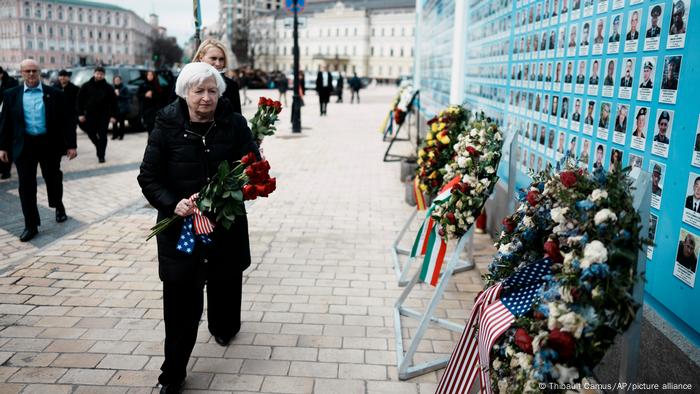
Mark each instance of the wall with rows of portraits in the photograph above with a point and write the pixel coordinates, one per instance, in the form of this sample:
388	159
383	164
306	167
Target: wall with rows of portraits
607	83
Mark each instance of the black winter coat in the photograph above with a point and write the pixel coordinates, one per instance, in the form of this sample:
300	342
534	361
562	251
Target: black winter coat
97	99
176	165
231	94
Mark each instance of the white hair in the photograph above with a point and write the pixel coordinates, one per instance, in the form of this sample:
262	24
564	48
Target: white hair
194	74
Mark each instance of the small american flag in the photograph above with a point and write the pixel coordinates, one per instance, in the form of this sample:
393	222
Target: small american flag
494	311
195	224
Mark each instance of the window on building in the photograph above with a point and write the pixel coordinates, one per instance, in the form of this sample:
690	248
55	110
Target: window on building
109	36
51	32
90	18
29	28
39	30
389	71
371	51
37	11
392	31
411	51
90	34
401	52
49	13
373	31
80	15
126	36
391	52
337	32
117	36
41	58
354	51
61	32
99	18
382	32
30	45
99	35
380	70
355	32
41	44
52	60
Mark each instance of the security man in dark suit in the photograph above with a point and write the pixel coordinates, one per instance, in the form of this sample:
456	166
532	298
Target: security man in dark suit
324	87
692	202
34	128
6	82
654	30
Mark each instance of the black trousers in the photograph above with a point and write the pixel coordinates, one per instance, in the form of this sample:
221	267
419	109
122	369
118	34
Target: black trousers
5	168
96	127
38	151
355	93
119	127
183	303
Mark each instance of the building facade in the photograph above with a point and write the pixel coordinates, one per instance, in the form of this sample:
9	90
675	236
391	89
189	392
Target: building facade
64	33
373	39
235	15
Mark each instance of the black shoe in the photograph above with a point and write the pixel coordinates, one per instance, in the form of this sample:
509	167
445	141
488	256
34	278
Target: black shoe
121	137
114	137
5	175
61	215
28	234
101	159
171	388
222	340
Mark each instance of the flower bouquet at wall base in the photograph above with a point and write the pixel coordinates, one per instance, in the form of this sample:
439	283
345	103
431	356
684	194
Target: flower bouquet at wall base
436	151
478	152
404	103
262	124
582	232
222	199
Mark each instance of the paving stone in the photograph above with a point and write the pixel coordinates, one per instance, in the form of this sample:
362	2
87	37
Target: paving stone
338	386
285	384
313	369
87	376
265	367
37	375
77	360
121	361
236	383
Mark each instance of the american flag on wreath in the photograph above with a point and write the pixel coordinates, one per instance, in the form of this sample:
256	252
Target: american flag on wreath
494	312
195	224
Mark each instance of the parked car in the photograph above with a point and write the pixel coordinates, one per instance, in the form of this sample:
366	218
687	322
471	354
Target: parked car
133	77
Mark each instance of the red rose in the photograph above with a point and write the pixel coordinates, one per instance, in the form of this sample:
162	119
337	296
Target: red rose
441	232
463	187
551	249
538	315
563	343
249	192
271	185
435	183
472	151
575	293
509	225
532	197
262	101
261	190
249	158
451	217
568	178
523	340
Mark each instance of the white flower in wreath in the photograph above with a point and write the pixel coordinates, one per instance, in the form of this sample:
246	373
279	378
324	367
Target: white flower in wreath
598	194
531	386
497	364
558	214
522	360
556	309
506	248
462	162
474	132
574	240
603	216
565	294
470	219
490	170
573	323
527	221
565	374
451	228
594	252
459	204
498	136
503	386
537	340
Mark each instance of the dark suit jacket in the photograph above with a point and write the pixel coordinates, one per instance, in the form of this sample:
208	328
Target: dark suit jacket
58	128
689	202
324	91
7	83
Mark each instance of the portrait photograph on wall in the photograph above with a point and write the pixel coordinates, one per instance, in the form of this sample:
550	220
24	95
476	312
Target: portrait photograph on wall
686	263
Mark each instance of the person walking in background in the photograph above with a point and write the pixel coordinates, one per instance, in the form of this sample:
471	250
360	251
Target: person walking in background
6	82
35	130
213	52
174	167
282	85
97	106
324	87
151	99
339	87
243	80
123	104
355	86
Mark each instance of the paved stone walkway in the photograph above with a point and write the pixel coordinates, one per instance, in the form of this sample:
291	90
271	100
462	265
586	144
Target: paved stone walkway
83	314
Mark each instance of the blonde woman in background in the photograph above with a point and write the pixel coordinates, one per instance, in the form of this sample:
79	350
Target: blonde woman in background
213	52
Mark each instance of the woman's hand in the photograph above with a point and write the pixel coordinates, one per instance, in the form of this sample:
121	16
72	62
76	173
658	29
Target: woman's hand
184	208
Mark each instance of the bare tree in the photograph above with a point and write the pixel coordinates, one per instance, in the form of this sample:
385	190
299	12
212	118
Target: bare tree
166	52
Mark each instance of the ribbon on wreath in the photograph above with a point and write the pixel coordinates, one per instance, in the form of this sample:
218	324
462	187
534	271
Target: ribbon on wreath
195	224
495	310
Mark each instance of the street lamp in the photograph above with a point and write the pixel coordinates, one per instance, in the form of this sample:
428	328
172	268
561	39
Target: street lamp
296	100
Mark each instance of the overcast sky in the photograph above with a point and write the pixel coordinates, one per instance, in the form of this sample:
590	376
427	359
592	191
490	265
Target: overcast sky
175	15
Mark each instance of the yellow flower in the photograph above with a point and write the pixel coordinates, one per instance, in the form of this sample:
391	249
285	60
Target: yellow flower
434	127
421	152
433	175
431	154
445	140
429	136
419	161
423	187
430	143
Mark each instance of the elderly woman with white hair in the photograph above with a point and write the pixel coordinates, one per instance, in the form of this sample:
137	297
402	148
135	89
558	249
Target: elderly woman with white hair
191	137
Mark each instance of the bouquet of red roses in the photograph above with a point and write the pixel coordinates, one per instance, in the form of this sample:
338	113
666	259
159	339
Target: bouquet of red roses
263	122
222	199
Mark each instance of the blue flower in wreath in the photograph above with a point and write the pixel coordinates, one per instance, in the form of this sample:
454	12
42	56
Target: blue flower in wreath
595	271
543	363
624	234
585	204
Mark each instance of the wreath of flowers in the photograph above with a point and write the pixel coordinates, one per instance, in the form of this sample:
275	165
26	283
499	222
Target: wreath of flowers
586	227
437	149
477	154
